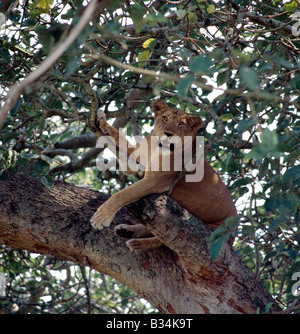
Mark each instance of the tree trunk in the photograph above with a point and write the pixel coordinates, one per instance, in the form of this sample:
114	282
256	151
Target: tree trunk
179	277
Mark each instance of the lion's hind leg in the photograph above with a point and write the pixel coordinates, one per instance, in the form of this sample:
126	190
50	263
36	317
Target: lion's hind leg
132	231
140	239
143	244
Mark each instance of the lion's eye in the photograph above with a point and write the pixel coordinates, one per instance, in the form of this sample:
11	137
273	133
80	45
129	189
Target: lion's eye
165	118
180	123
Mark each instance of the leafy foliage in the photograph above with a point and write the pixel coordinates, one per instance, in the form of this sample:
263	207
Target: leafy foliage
45	284
235	64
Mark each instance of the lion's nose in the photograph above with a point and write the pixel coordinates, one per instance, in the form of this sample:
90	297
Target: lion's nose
168	134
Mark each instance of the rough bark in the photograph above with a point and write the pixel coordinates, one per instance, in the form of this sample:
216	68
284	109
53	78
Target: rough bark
179	277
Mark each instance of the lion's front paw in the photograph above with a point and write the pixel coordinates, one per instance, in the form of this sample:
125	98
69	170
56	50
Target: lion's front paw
101	115
102	218
102	121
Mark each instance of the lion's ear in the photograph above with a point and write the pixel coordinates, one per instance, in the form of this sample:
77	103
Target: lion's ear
158	107
195	122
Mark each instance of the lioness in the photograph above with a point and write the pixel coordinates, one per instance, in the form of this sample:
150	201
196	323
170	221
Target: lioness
208	199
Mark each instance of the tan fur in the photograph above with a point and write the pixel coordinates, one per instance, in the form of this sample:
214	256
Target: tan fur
208	199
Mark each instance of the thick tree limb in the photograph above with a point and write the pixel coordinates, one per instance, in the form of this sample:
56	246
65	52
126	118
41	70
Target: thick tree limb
180	278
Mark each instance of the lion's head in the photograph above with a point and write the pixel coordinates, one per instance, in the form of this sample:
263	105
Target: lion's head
173	125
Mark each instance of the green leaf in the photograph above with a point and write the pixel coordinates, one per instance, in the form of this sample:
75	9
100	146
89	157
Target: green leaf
271	204
218	240
249	77
41	168
31	155
264	168
270	255
9	136
47	181
232	222
192	17
184	85
226	117
44	5
4	55
290	6
181	13
248	230
211	9
201	65
216	247
73	64
276	222
283	62
47	159
241	182
137	13
293	172
268	146
149	43
155	18
10	158
17	107
245	125
47	41
223	76
143	56
267	308
243	191
269	139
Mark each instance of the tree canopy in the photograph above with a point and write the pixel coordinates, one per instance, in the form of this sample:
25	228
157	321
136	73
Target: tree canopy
233	63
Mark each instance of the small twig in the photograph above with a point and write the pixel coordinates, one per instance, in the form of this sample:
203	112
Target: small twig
94	101
254	114
87	289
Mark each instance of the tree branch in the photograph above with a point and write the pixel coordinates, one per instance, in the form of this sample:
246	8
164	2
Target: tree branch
270	23
179	278
84	140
